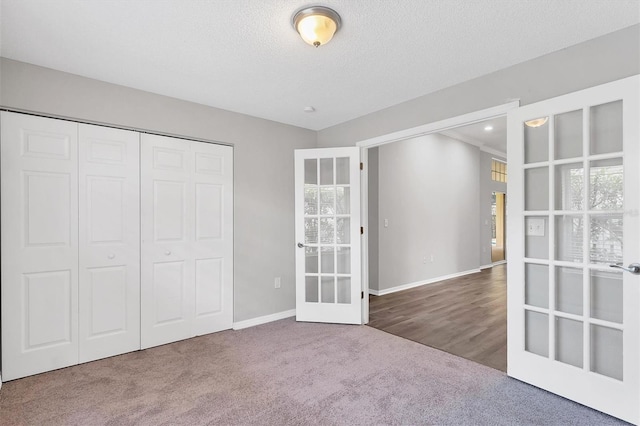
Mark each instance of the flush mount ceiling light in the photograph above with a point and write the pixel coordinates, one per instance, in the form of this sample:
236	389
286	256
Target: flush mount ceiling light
488	128
317	24
536	122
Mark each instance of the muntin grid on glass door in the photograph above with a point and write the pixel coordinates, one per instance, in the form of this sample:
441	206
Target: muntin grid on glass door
573	177
327	230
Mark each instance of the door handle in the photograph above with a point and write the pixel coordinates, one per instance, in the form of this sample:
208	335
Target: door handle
111	256
168	252
300	245
634	268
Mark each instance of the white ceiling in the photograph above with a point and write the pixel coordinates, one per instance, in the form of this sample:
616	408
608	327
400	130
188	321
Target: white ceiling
493	141
244	56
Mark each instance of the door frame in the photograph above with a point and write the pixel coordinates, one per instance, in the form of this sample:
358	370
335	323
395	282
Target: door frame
422	130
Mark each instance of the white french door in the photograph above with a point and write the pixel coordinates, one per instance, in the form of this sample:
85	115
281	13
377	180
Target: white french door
109	241
327	220
574	185
187	239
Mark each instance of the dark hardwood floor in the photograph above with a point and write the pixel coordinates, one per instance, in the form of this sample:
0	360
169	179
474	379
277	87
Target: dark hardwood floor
465	316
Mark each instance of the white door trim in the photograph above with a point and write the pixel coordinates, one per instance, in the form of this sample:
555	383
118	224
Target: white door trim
440	126
426	129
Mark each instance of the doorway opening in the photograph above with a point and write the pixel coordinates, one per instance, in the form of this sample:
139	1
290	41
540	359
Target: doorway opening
498	227
457	246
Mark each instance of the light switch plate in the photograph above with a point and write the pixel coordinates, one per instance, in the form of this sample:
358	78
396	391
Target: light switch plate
535	227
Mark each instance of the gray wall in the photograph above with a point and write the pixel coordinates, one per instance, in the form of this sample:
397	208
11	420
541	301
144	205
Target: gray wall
263	160
608	58
429	192
487	187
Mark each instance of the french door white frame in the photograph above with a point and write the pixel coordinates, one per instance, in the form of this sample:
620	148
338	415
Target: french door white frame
426	129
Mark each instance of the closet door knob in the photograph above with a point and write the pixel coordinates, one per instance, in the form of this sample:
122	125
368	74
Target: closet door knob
168	252
111	256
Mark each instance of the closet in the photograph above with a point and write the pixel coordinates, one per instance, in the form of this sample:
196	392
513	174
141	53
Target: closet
112	241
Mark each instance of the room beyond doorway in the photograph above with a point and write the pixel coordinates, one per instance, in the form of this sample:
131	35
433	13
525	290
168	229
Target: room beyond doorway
498	227
464	316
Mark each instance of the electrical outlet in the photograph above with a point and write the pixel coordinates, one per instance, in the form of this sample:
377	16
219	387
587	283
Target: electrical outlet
424	260
431	258
277	282
386	223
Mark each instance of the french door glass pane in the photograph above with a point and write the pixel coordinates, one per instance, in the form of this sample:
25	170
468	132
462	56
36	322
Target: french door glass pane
310	230
569	290
311	289
344	260
569	341
327	230
606	185
606	351
569	238
328	289
327	260
343	230
537	246
569	187
605	243
343	200
536	183
536	285
568	134
310	200
327	201
344	290
326	171
311	171
606	295
311	260
606	128
536	143
536	327
342	171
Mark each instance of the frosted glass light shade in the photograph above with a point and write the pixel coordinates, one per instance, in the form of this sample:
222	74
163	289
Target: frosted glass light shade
316	25
536	122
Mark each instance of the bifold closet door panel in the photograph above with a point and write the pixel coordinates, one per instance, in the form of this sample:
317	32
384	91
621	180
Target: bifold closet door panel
167	266
212	177
109	228
39	220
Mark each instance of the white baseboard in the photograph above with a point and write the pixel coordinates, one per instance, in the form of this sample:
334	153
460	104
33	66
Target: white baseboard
263	320
421	283
490	265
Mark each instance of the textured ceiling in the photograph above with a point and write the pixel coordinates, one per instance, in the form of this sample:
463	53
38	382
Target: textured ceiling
244	56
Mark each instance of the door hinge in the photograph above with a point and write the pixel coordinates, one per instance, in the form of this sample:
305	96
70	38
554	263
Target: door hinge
362	295
361	166
362	230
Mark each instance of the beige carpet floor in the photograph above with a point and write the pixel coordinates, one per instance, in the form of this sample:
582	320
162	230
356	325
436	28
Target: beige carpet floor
286	373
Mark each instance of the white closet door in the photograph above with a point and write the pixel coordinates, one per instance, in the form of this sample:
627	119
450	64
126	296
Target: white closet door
39	244
212	177
187	239
109	292
167	290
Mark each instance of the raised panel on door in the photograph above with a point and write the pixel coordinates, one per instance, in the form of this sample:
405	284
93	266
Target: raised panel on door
167	267
212	177
39	191
109	230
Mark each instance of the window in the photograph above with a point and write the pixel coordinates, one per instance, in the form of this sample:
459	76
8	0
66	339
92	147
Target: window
498	170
